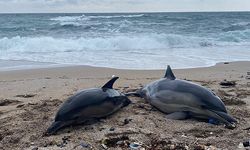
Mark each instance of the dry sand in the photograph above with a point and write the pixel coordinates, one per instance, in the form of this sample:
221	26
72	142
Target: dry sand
29	100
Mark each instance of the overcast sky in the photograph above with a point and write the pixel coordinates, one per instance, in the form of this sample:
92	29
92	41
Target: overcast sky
38	6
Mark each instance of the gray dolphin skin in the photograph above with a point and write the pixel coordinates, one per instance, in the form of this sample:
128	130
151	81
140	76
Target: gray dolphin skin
88	105
181	99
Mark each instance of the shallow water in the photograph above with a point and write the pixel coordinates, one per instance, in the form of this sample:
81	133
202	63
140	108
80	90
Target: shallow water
128	41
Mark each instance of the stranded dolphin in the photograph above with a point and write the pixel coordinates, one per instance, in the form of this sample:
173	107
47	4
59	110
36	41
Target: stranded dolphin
181	99
87	105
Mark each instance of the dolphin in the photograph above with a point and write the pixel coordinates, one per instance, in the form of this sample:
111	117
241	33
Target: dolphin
182	99
88	105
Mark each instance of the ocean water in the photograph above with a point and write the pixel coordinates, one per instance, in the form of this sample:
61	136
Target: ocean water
127	41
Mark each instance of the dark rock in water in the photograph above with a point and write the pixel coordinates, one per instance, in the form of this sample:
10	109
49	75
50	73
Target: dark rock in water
226	62
228	83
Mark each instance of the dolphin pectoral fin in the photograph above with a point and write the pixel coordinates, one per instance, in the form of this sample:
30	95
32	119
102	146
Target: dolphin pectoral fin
180	115
109	84
169	74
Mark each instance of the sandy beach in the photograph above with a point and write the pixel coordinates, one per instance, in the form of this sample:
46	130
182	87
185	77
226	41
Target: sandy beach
30	98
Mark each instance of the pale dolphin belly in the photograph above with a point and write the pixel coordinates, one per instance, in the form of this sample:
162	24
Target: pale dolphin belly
169	101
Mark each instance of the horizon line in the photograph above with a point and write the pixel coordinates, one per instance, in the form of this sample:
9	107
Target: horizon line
223	11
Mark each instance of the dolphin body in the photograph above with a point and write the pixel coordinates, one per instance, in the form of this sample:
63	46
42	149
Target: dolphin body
88	105
181	99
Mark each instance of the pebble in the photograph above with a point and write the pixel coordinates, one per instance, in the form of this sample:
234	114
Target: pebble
112	129
66	138
134	145
183	135
84	145
104	146
241	146
126	121
119	142
35	148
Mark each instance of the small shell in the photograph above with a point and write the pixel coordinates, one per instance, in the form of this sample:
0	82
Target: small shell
134	145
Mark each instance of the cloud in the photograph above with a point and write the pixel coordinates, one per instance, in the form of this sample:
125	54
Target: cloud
121	5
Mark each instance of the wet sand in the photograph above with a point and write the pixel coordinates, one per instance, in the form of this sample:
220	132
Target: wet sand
30	98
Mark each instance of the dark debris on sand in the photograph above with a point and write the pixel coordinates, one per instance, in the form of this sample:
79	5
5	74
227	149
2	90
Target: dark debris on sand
6	102
228	83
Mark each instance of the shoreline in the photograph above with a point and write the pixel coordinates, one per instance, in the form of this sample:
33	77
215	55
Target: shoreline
30	98
85	70
18	65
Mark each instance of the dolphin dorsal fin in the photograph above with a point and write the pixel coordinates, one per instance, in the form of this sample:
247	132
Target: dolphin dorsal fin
109	84
169	74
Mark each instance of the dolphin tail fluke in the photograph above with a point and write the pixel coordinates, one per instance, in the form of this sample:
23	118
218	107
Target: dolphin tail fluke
54	127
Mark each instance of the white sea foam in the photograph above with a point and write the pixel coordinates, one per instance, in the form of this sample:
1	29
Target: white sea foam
83	20
106	43
124	51
88	17
69	18
118	16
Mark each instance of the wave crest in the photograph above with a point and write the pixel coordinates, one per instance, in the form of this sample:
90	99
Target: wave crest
120	51
88	17
121	42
